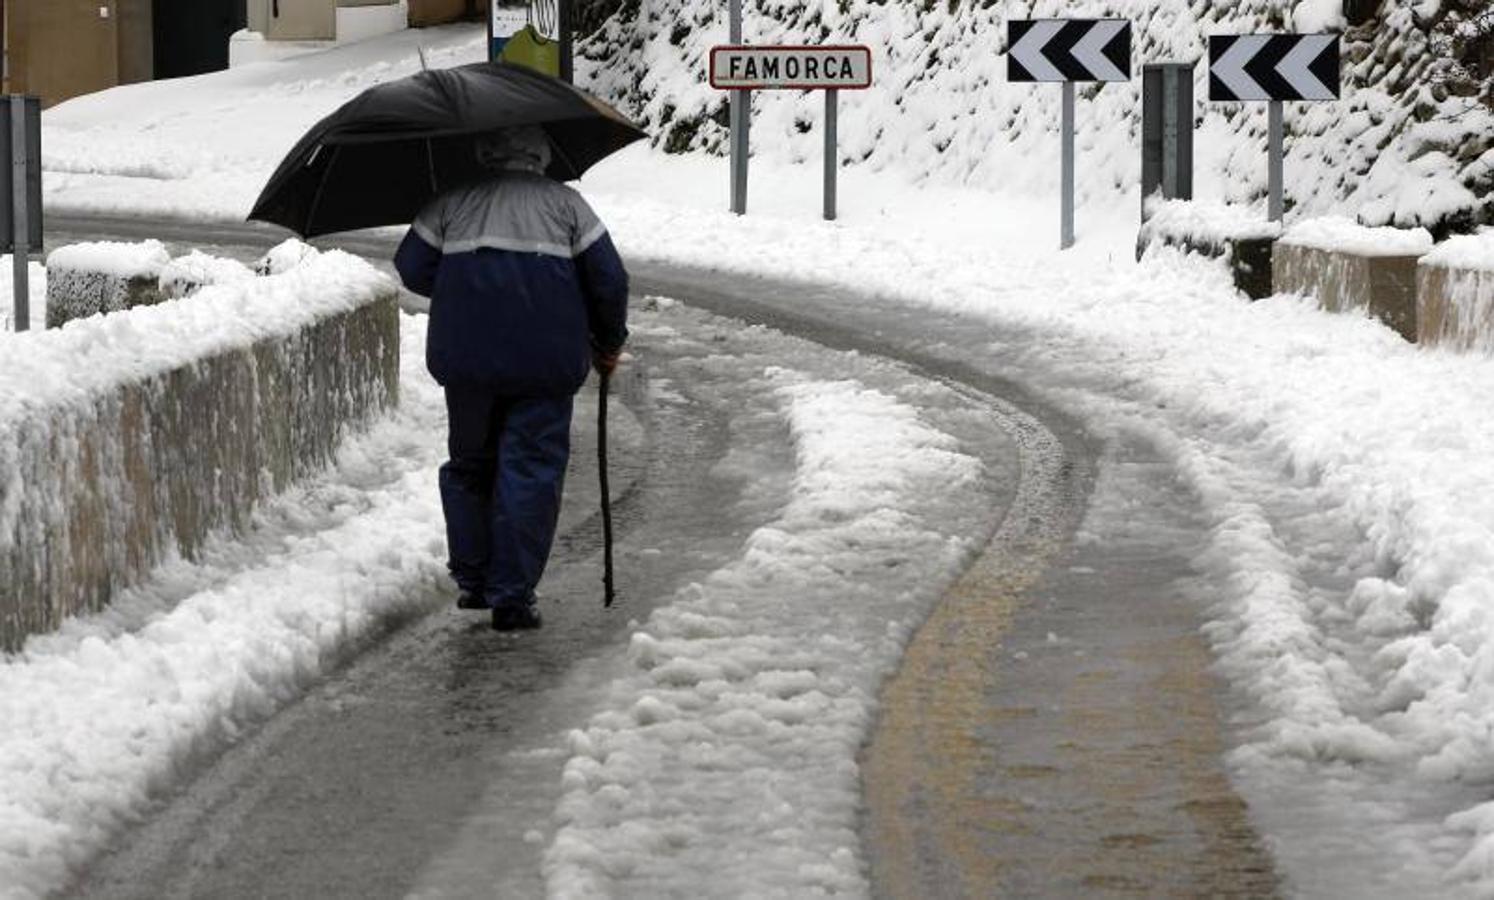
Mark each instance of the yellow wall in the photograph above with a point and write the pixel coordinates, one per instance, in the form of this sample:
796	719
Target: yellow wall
62	48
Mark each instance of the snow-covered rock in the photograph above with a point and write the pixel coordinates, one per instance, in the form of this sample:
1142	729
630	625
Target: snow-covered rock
103	276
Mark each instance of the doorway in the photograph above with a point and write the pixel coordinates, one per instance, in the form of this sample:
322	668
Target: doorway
191	36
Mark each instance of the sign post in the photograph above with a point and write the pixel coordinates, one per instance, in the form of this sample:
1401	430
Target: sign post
741	119
20	196
1068	51
832	69
832	152
1275	68
1066	164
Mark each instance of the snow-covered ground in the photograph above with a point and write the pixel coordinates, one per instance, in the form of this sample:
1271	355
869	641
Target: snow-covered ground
37	292
1346	475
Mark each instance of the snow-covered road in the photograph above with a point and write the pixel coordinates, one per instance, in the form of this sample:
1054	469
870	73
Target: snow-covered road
355	750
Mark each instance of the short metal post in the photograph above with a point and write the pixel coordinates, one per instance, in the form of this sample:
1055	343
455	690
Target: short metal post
1066	213
1277	152
1170	127
741	114
21	223
832	153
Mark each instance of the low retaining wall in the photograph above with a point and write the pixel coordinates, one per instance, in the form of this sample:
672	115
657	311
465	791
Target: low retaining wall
103	478
1455	295
1350	267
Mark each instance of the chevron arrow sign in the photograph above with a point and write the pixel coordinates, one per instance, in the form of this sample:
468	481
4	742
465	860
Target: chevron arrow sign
1273	67
1068	50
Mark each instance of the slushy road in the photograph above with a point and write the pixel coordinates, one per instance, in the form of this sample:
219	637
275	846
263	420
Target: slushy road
1053	729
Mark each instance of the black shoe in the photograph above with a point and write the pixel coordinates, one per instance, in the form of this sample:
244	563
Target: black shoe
469	600
516	618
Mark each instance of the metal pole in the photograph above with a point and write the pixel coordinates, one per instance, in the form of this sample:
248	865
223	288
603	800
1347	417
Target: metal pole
1277	151
741	106
21	243
1066	213
832	153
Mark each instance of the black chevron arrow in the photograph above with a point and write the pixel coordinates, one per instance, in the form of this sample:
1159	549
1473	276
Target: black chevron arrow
1060	51
1118	50
1326	67
1262	67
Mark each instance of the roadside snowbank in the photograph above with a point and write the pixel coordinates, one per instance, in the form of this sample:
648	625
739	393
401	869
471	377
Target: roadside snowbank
726	752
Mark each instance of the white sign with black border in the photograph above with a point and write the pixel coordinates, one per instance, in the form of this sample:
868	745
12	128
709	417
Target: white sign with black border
743	68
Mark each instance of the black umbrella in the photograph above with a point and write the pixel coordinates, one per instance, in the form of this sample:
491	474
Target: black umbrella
379	158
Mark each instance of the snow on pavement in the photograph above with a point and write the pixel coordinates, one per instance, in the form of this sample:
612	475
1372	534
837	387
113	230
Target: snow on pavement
728	745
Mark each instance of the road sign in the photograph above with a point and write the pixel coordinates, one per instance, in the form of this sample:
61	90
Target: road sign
1277	67
741	69
790	68
1068	50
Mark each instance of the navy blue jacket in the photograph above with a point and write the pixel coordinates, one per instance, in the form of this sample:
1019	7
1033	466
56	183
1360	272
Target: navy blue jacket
524	283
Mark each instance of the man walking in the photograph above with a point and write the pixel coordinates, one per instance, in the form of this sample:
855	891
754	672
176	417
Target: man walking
526	288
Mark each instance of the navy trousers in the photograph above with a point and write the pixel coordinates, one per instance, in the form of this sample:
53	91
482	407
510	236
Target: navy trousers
501	489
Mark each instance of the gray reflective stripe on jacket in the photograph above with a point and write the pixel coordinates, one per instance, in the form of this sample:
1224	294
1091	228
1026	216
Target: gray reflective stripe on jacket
515	211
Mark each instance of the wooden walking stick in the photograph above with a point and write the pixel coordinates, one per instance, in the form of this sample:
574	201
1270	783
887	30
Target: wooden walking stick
606	495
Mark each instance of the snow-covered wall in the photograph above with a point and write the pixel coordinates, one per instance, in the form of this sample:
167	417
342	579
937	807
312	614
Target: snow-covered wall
126	439
1455	294
103	276
1397	149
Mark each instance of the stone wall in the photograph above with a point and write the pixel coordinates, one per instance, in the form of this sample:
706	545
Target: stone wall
1455	308
96	494
1382	286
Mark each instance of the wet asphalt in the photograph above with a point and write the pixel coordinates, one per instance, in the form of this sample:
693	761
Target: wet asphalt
1054	729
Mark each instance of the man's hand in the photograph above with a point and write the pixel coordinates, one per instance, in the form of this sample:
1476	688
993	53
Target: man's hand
605	363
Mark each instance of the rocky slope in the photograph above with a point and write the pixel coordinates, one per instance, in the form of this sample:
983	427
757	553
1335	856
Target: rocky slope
1403	146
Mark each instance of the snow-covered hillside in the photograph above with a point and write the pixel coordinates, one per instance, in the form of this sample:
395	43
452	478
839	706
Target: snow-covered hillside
1396	149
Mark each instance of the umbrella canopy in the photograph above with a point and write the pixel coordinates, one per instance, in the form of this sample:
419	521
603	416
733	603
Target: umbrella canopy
384	154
